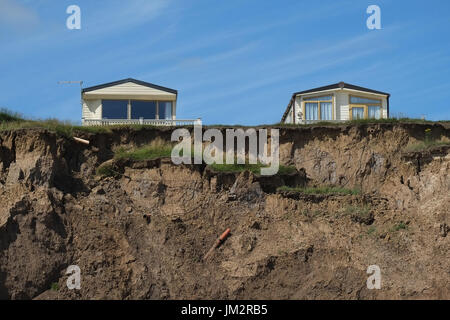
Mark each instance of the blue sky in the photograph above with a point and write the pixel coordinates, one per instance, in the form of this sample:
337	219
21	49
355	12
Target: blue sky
233	61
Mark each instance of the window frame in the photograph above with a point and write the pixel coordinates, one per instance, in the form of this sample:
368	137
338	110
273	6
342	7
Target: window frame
364	105
319	116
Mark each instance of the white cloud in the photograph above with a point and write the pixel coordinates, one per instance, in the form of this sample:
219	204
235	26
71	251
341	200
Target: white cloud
17	16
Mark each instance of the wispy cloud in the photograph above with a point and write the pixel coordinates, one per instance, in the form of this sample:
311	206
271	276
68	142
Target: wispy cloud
195	61
292	65
17	16
123	15
276	76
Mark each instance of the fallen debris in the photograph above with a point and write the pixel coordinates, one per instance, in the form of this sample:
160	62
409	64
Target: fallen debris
219	241
81	140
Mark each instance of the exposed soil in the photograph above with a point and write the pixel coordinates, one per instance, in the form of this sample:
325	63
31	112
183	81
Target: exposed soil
143	233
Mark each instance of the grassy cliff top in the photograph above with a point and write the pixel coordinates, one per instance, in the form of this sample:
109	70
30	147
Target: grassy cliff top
12	121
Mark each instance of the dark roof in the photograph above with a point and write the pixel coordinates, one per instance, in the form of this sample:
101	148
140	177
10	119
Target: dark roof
142	83
339	85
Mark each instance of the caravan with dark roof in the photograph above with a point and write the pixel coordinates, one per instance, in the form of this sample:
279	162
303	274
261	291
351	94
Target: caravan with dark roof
130	101
336	102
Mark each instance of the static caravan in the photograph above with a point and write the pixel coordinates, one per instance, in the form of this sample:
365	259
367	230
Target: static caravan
336	102
130	101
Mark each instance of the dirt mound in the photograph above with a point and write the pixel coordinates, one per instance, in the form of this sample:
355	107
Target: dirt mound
142	234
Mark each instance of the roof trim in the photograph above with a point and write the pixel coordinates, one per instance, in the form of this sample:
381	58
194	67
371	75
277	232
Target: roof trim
339	85
142	83
342	85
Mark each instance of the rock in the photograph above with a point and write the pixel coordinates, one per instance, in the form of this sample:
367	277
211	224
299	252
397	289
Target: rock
256	225
444	228
245	188
98	190
366	219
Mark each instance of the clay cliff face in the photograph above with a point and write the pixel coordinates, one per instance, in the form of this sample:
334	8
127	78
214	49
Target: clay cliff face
143	233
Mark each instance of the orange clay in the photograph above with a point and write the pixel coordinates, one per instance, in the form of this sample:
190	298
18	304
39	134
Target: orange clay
225	234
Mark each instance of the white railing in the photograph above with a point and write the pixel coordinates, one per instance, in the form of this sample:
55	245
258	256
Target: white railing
152	122
317	121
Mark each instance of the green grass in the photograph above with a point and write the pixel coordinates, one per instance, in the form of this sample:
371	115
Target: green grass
321	190
106	171
62	128
357	212
371	230
157	149
10	120
359	122
54	286
425	145
253	168
9	116
400	226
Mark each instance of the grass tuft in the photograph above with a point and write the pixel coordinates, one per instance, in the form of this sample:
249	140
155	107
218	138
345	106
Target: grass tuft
321	190
400	226
106	171
54	286
253	168
9	116
157	149
425	145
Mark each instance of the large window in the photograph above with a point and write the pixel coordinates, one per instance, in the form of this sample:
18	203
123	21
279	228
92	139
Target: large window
318	108
357	113
165	109
143	109
118	109
374	112
364	108
311	111
114	109
326	111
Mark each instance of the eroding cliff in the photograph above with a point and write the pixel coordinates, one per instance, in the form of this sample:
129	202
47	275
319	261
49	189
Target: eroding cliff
142	234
